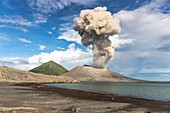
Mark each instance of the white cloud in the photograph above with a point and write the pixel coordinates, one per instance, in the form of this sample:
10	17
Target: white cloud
15	20
148	29
42	47
67	33
68	58
118	41
70	35
24	40
17	62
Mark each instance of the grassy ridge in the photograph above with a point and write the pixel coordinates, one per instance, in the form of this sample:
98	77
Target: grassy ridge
50	68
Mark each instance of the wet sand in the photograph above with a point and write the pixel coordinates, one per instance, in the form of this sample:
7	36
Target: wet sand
37	98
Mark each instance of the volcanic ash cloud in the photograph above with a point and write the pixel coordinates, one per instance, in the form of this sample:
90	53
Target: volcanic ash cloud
95	26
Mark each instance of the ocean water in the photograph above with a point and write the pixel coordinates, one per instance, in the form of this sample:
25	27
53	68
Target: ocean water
153	91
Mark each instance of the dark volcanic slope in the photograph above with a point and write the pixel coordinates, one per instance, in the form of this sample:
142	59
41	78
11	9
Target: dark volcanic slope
84	73
50	68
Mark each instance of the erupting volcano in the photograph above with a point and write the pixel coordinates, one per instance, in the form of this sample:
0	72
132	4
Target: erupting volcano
95	26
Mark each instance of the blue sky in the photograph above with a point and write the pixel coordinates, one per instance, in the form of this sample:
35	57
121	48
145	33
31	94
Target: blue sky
35	31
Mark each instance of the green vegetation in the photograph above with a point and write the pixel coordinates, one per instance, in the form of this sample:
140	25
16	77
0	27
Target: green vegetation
50	68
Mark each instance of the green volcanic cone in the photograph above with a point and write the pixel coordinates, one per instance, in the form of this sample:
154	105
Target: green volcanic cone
50	68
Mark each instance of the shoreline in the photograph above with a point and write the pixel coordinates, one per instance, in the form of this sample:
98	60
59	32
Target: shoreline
35	97
102	97
105	94
100	94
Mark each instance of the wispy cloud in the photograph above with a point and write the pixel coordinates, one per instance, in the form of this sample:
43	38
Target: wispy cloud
22	29
3	37
60	48
53	28
40	18
42	9
47	6
69	18
24	40
51	6
16	20
49	32
66	26
14	27
42	47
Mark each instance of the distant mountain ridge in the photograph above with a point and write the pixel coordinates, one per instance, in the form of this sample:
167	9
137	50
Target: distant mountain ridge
50	68
77	74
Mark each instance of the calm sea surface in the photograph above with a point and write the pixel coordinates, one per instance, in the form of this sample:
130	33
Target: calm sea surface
154	91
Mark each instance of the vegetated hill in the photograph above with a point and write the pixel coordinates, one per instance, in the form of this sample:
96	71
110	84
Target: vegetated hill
85	73
50	68
13	75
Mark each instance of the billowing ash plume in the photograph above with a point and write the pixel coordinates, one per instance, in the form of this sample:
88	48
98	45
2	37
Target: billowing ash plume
95	26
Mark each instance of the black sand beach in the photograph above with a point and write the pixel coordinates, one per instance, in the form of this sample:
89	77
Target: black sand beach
37	98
